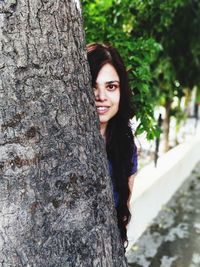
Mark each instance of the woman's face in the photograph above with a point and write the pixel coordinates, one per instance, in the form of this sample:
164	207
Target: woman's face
107	93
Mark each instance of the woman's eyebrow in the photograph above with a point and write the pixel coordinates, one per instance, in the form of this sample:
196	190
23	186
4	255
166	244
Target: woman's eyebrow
109	82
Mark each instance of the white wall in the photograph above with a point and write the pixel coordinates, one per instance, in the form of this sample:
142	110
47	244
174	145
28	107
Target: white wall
153	187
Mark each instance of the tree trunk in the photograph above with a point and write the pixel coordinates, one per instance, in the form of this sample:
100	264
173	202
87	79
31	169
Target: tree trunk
56	205
166	124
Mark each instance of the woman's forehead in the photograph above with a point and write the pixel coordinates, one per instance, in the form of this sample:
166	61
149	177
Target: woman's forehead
107	74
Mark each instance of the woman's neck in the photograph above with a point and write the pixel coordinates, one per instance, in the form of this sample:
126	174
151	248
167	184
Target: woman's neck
103	127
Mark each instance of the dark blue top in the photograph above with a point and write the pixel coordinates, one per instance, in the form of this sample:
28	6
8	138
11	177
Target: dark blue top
134	170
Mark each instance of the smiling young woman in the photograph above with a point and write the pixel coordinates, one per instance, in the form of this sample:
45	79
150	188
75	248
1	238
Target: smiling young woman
107	95
112	99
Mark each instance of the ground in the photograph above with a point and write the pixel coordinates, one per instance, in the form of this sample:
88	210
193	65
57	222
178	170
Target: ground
173	239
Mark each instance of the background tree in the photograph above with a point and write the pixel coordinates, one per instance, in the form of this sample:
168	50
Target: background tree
180	46
55	194
184	44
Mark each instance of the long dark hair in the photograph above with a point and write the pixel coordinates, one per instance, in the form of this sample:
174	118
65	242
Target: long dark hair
119	137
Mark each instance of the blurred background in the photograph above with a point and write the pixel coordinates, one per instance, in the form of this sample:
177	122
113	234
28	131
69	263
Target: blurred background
159	41
160	44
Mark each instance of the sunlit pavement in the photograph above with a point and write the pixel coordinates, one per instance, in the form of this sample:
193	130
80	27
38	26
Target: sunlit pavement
173	239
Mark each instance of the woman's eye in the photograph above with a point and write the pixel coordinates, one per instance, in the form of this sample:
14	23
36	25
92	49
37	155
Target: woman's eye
111	87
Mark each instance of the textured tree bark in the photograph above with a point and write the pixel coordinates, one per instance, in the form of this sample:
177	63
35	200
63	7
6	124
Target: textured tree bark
56	206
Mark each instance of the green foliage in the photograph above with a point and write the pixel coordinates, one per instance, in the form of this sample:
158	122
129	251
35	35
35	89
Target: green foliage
197	99
141	55
158	40
112	23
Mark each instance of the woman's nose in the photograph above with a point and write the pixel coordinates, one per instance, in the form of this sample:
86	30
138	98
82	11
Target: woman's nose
100	94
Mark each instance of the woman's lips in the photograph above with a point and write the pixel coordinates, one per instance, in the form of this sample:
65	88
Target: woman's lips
102	110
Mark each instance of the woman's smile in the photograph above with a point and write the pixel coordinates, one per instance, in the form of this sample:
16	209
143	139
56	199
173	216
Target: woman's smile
102	109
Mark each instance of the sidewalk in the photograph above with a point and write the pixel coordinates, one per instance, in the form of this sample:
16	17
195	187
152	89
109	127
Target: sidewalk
153	187
173	239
